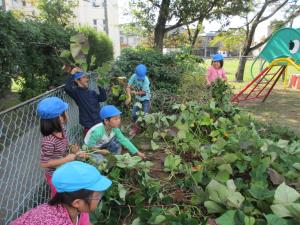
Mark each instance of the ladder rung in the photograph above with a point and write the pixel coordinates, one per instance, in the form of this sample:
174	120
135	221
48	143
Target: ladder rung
263	82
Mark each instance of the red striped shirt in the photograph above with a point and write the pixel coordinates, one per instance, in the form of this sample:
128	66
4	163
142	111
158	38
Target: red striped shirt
53	147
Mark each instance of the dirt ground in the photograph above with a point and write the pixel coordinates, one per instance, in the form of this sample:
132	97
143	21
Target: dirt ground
281	108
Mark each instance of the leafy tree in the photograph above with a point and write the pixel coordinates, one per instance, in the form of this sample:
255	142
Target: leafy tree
231	40
10	50
262	11
57	11
164	16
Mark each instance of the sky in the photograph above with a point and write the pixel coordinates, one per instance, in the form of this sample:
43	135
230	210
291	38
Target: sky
261	31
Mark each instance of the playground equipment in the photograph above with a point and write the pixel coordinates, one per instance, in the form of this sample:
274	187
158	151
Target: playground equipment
281	51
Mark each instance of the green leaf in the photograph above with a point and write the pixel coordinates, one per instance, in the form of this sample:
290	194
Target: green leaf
181	134
213	207
235	199
228	218
136	221
296	166
282	144
116	90
127	161
159	219
285	194
275	220
230	185
122	191
294	209
224	173
280	210
154	146
217	192
172	162
260	192
249	220
222	176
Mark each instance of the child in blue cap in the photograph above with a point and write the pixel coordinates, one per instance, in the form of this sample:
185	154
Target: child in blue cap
216	70
80	188
87	100
52	111
107	135
139	85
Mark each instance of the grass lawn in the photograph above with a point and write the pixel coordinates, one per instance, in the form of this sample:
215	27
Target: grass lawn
281	108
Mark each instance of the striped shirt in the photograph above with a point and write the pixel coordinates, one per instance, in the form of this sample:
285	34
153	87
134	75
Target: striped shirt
53	147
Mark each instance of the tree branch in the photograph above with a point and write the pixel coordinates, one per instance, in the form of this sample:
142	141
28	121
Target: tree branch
259	44
181	23
154	3
272	13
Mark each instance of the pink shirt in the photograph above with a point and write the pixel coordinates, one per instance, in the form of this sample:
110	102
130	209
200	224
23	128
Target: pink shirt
48	215
213	74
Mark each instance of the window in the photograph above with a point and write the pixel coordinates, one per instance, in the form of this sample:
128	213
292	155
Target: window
24	3
95	22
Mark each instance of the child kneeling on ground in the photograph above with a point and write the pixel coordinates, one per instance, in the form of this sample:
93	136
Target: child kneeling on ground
108	136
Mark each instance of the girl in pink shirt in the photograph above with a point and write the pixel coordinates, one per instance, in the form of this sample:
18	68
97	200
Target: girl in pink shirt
79	186
216	71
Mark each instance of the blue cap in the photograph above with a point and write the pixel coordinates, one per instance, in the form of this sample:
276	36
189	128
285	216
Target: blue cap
78	75
217	57
76	175
108	111
141	71
51	107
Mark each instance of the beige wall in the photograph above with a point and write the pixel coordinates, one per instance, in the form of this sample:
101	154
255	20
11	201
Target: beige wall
113	25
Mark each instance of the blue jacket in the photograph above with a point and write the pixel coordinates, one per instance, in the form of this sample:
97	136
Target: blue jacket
87	101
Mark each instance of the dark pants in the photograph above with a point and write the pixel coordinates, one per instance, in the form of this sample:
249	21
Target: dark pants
146	109
114	147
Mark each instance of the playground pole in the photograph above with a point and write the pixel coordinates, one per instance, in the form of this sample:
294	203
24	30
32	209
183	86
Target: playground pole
286	78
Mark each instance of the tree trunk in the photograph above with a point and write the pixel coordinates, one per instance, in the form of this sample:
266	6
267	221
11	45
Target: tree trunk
196	34
160	28
239	76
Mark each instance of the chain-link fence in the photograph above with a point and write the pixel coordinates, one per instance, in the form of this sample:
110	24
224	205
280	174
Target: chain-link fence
22	184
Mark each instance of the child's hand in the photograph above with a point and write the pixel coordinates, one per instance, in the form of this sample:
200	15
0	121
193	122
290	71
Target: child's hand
103	151
75	70
83	155
142	155
74	148
70	157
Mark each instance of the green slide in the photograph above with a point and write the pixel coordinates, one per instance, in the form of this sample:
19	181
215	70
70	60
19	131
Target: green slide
285	43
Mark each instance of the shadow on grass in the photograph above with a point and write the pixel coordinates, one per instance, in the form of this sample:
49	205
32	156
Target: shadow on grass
281	108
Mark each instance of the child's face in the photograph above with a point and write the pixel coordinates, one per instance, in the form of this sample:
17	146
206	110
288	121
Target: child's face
63	118
114	122
83	81
216	65
94	200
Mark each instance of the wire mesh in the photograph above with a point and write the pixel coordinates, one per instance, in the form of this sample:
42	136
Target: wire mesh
22	183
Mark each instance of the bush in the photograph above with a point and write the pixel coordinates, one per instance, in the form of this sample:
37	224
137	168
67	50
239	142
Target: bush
9	50
164	71
101	47
40	66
